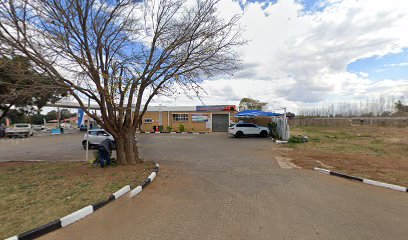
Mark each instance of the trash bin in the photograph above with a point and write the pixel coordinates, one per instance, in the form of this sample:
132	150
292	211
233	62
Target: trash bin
154	128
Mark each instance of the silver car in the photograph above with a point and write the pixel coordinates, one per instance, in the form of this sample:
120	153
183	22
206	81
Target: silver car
96	136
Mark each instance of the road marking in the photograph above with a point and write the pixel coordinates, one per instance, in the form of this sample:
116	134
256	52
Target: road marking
285	163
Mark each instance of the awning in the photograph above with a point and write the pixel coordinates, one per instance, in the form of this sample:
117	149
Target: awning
256	113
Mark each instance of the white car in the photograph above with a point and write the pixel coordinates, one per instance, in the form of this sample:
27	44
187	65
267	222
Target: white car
247	129
20	130
96	136
38	127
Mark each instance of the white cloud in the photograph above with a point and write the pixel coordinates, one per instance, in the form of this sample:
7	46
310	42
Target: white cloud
403	64
294	58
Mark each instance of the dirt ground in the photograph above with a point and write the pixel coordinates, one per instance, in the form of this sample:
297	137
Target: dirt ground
35	193
378	153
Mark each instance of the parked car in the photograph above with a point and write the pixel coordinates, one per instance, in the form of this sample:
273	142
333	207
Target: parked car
96	136
247	129
20	130
38	127
83	128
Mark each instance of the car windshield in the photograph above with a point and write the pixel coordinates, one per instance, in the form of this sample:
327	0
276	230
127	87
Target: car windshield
21	125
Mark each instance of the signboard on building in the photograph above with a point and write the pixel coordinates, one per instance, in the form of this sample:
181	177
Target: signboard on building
199	117
215	108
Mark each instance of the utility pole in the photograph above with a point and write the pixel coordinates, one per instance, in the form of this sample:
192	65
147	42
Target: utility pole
87	131
285	124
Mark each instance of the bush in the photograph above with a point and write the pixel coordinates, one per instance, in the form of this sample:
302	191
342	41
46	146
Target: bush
273	130
182	128
169	129
294	139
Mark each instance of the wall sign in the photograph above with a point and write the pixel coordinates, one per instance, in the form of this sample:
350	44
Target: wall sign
199	117
215	108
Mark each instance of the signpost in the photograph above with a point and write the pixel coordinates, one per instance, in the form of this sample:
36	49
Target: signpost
216	108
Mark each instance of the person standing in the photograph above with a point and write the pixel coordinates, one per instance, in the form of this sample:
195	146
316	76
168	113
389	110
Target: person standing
105	150
2	130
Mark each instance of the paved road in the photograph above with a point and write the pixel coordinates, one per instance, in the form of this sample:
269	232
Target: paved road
215	187
43	146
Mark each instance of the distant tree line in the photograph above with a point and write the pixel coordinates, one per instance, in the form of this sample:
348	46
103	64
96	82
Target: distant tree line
379	107
24	116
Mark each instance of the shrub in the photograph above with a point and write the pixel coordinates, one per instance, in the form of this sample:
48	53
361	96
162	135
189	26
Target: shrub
295	139
273	130
182	128
169	129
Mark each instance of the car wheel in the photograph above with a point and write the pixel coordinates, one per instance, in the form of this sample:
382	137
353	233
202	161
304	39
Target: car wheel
264	134
239	134
84	145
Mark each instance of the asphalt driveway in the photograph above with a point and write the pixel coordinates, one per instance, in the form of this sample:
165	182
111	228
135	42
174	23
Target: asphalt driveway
216	187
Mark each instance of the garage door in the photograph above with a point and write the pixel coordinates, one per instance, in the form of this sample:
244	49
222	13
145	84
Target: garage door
220	122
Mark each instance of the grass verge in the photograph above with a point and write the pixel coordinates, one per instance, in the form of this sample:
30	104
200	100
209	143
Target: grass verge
33	194
378	153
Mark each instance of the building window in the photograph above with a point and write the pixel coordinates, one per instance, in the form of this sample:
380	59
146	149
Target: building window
180	117
148	120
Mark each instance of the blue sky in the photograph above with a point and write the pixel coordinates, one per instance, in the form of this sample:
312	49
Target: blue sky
391	66
308	5
303	52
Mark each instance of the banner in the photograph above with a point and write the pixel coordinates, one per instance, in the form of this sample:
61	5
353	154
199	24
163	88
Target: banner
199	117
216	108
81	118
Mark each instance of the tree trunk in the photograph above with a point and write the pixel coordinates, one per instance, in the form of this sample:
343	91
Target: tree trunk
126	149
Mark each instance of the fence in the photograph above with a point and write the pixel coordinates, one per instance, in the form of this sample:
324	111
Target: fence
368	121
282	128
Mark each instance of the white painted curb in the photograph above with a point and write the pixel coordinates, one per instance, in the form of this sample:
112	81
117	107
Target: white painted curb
12	238
152	176
121	191
385	185
75	216
135	191
321	170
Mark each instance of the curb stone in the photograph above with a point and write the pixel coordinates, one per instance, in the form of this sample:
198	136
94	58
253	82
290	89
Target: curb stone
367	181
83	212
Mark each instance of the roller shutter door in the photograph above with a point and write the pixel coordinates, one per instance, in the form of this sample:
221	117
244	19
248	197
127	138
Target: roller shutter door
220	122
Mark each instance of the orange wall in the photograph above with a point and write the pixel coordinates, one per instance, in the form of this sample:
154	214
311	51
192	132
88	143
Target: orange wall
189	125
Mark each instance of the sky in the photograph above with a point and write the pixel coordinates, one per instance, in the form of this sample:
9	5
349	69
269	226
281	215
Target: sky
310	53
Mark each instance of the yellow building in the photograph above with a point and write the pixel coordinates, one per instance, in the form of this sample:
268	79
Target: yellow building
212	118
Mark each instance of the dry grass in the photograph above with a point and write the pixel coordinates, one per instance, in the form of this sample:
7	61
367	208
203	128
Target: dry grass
379	153
33	194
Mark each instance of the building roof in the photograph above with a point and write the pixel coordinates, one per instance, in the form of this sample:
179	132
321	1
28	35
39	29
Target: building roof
256	113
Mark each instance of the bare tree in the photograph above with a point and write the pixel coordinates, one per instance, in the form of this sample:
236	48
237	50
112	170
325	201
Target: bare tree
120	54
